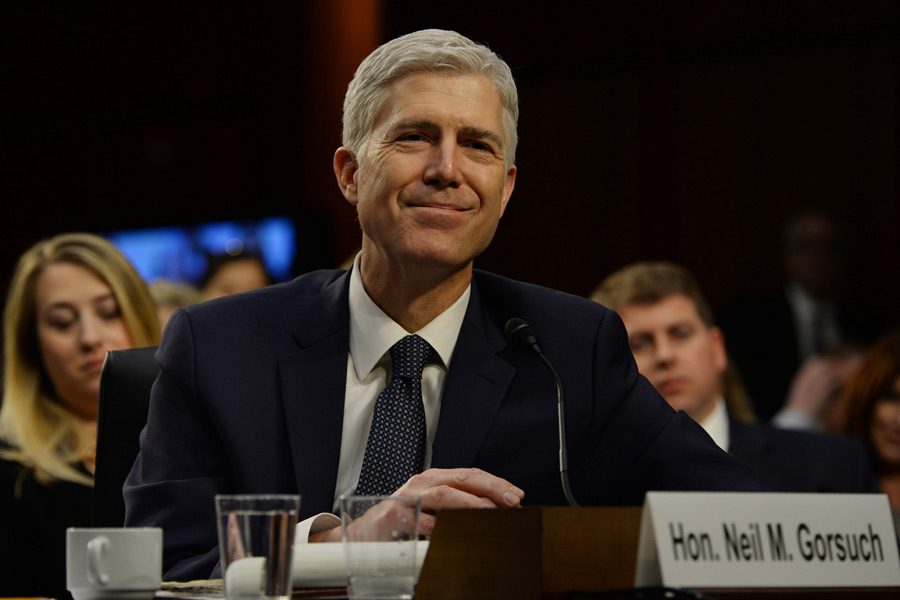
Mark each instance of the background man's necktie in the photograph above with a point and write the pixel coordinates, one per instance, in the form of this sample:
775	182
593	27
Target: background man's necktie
395	450
817	331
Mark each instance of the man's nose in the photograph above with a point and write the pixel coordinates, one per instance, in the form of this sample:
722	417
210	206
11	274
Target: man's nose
664	352
443	168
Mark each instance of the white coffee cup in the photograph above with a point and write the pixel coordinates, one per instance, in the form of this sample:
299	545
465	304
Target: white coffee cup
113	562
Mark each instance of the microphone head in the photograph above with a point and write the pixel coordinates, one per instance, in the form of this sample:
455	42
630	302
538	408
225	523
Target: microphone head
518	332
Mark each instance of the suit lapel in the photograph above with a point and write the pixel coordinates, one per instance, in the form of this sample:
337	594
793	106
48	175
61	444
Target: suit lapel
474	390
313	382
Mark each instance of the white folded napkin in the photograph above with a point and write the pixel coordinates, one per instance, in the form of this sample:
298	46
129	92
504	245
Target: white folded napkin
312	566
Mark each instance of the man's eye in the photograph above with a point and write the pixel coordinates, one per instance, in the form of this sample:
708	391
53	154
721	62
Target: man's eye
412	137
480	146
638	344
683	332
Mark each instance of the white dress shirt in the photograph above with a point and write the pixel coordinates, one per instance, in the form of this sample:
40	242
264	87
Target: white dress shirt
372	333
716	425
811	315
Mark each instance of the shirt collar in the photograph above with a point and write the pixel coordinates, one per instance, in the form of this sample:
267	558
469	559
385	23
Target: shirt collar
804	304
716	425
372	332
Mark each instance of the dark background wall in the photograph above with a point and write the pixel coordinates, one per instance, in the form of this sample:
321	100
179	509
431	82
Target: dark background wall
650	129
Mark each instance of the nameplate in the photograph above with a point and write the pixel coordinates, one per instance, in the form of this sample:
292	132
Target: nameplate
759	540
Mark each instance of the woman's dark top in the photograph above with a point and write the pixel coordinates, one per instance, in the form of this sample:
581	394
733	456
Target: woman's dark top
33	531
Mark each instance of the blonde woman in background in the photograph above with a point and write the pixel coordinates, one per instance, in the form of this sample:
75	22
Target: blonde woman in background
72	298
170	296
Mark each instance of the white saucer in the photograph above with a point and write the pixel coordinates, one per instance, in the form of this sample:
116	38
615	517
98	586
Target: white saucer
92	594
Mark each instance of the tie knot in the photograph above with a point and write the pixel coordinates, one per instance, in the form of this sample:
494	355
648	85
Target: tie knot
409	356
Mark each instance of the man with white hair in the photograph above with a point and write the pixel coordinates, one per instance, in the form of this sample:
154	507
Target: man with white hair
397	375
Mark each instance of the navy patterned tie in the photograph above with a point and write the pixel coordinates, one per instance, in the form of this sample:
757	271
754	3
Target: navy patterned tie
396	447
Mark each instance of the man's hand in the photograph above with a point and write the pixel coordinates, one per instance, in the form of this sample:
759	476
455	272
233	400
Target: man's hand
813	387
818	383
459	488
438	488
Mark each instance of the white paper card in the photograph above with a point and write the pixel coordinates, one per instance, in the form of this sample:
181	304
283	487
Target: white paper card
312	566
727	540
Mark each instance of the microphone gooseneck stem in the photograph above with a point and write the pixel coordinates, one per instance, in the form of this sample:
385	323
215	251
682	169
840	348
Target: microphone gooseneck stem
560	421
518	332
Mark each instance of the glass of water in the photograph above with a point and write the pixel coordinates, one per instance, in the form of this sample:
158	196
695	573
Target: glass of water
380	535
256	536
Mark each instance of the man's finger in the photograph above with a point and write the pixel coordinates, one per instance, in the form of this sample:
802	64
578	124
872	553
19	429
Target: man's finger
462	488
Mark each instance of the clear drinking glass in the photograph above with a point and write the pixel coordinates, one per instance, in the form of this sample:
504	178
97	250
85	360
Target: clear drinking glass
256	536
380	535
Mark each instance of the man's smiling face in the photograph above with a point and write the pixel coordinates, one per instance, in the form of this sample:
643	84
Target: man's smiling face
431	184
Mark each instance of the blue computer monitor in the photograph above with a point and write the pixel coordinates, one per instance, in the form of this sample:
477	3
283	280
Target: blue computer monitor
180	252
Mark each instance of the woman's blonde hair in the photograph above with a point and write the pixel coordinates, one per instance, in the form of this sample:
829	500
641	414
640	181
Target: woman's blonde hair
41	431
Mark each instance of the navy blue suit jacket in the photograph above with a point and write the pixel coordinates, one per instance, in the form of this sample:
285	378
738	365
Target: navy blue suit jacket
802	461
251	393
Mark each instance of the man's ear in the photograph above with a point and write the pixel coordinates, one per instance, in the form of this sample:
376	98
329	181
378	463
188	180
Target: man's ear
345	169
719	355
508	187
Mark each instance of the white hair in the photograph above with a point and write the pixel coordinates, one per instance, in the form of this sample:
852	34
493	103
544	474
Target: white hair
426	51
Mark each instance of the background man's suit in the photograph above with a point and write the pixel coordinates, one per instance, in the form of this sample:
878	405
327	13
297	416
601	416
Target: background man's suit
761	337
251	393
800	461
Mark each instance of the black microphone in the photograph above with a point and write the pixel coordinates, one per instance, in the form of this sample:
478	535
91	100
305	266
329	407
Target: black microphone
518	332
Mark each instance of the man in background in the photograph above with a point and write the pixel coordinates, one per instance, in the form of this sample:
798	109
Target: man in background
233	273
803	324
679	349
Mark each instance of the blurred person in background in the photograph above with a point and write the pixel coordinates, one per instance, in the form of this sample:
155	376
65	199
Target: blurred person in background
72	298
228	274
773	336
680	350
170	296
870	410
812	399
